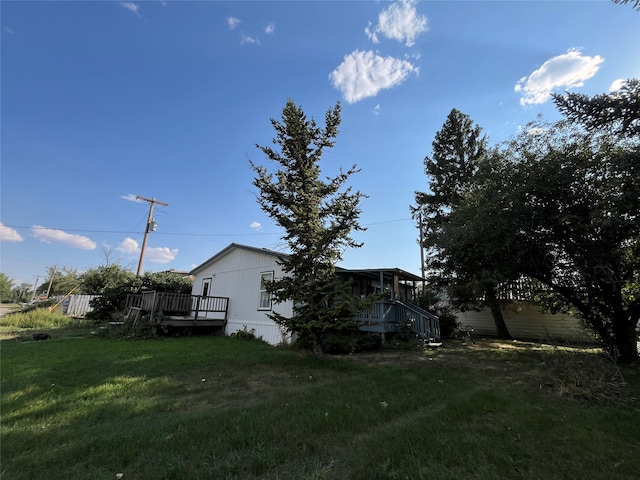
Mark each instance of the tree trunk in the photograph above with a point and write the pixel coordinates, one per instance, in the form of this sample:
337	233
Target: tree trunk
496	312
316	338
626	339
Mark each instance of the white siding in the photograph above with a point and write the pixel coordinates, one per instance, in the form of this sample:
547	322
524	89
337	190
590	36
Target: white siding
527	322
237	275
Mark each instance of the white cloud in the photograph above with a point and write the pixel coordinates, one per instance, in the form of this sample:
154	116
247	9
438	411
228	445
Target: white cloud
256	225
364	74
269	29
161	254
399	21
49	235
9	234
131	197
233	22
246	39
131	247
568	70
532	131
132	7
128	246
617	84
376	110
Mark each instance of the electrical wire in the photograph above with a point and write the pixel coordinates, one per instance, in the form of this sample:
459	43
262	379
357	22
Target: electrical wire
177	233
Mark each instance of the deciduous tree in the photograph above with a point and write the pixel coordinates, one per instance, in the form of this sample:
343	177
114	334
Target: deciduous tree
113	283
575	225
317	216
6	295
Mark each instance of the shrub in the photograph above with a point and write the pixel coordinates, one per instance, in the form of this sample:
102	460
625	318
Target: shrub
245	334
114	283
404	339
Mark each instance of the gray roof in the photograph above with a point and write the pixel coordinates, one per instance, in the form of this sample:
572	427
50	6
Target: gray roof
370	272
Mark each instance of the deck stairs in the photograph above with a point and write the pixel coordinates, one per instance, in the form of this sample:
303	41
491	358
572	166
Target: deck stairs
388	316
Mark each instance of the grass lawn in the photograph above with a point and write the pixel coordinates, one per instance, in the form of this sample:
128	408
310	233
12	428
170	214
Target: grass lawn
84	407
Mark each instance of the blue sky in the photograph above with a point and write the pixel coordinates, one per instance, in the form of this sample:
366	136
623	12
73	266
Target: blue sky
104	101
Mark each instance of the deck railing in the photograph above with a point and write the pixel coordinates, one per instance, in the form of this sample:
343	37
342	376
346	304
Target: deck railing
421	322
176	304
389	315
379	312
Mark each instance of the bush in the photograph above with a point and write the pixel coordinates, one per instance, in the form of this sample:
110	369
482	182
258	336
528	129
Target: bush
448	323
246	334
404	339
114	283
431	302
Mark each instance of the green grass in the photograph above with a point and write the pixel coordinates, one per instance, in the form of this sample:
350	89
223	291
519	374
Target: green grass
84	407
40	318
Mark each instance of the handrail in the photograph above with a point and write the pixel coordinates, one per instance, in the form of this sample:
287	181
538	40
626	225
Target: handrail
423	323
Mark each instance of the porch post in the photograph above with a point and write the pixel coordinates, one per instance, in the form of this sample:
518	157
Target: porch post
396	285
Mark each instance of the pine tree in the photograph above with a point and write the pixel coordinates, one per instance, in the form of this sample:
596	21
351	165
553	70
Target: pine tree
617	112
454	262
317	217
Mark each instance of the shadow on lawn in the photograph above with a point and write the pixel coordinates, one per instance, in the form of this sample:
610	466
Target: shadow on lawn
582	373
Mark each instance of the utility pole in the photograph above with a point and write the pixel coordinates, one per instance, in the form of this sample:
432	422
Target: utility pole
53	274
421	250
151	227
35	284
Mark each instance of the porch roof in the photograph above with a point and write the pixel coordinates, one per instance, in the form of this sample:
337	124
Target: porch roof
374	273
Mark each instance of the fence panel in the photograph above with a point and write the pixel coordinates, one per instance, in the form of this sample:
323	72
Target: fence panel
78	305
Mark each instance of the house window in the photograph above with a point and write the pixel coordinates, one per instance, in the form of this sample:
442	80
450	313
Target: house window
206	286
265	296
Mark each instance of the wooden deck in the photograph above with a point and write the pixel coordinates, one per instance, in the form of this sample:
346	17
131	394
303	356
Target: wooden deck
180	310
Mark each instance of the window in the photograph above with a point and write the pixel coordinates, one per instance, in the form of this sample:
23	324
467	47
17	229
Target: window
265	296
206	286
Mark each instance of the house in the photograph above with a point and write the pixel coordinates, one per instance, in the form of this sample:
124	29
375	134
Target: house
239	273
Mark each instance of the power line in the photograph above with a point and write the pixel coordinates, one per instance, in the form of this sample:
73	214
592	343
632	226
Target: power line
138	232
181	234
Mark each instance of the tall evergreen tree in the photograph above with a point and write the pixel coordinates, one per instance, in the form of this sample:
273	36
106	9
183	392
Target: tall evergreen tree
635	4
616	112
459	152
318	218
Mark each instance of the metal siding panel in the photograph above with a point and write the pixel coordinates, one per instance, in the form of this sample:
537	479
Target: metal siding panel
528	322
78	305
